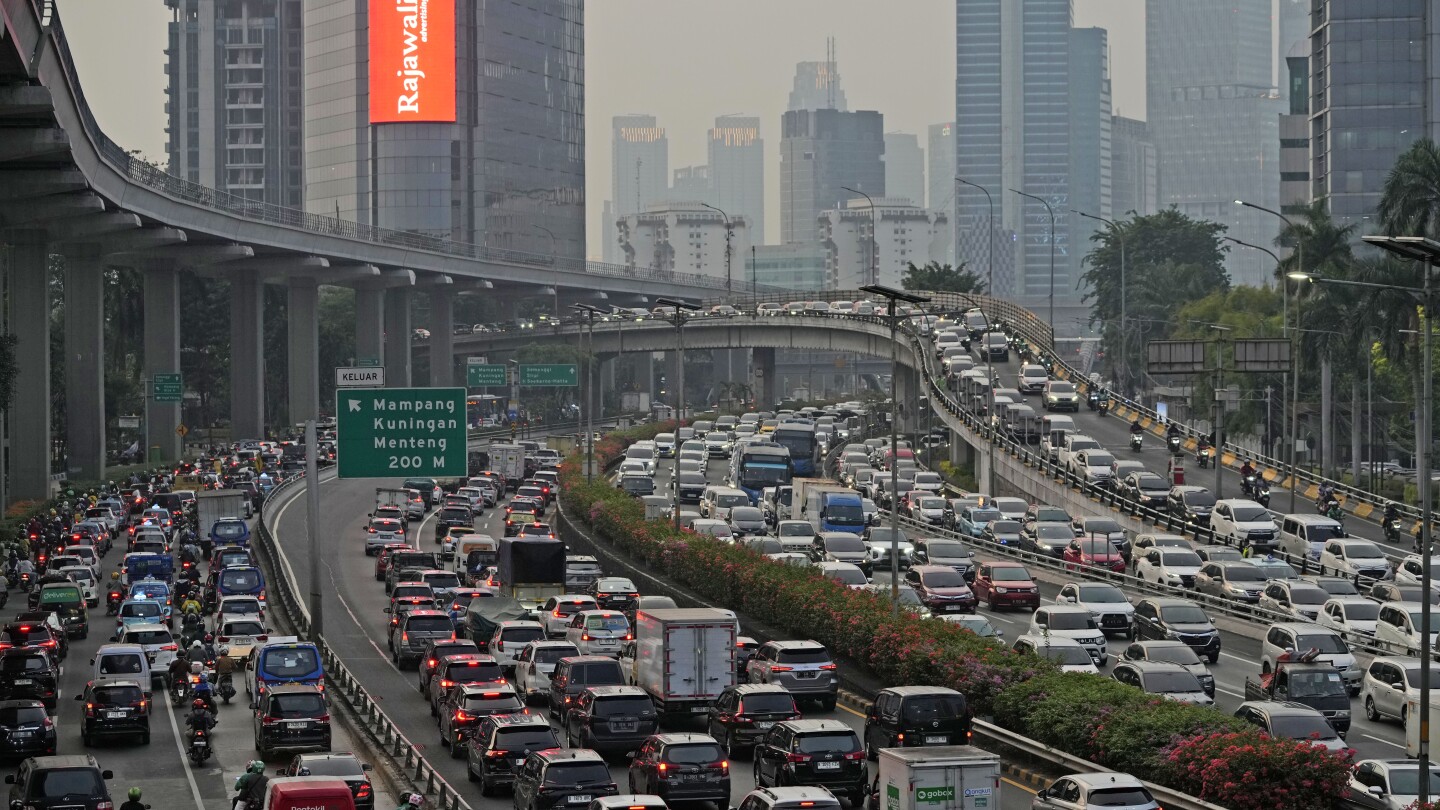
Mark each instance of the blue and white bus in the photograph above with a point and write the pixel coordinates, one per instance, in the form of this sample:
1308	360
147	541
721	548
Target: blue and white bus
756	466
799	439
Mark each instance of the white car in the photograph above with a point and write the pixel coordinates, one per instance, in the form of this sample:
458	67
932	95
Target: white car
598	632
1072	622
1091	466
1169	566
160	645
1389	683
1074	443
476	496
1301	636
1011	508
557	611
1066	653
1397	628
240	630
1408	572
1350	556
1236	518
1106	602
1351	616
1295	598
88	555
234	606
83	576
535	663
511	638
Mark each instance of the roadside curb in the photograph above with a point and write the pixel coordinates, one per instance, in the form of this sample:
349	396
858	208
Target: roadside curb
1025	776
854	701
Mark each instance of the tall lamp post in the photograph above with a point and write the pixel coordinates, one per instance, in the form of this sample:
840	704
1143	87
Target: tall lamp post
895	297
874	237
589	311
1285	328
729	231
1052	251
1124	335
990	237
1427	253
678	317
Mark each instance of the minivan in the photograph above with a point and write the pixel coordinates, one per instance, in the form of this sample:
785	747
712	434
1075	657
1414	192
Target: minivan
121	661
307	793
574	674
910	716
1304	535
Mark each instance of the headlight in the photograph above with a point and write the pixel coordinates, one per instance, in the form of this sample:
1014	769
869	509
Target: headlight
1002	590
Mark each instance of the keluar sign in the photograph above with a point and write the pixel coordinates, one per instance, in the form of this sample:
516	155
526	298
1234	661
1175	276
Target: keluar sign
412	61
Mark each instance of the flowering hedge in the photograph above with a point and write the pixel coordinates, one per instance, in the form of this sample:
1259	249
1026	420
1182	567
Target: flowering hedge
1099	719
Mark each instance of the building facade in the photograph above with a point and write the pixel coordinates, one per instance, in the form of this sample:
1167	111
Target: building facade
940	175
691	184
874	247
737	170
1091	141
684	238
790	267
817	87
1134	169
506	170
905	167
1295	132
821	153
234	97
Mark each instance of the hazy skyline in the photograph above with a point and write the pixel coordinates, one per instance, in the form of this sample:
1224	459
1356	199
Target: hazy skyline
680	60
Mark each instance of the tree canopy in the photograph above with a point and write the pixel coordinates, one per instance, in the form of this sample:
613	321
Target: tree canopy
937	277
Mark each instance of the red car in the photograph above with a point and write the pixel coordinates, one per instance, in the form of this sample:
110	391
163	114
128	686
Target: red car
941	588
1006	585
382	559
1099	553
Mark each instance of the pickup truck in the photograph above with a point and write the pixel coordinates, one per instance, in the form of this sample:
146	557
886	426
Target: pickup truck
1314	684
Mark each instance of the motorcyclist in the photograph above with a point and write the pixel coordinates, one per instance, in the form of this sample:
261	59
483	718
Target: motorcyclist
204	692
190	607
1135	428
1246	469
224	665
134	803
253	798
209	646
1392	512
1173	431
190	552
1327	492
411	801
200	718
178	668
255	768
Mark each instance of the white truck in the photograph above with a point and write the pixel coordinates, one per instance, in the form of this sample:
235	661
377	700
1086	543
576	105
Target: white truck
1412	726
509	461
942	777
686	657
386	496
211	505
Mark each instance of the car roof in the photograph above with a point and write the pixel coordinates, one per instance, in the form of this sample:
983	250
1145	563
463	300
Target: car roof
682	737
811	726
1106	779
1048	641
294	688
797	644
1145	667
912	691
552	755
617	691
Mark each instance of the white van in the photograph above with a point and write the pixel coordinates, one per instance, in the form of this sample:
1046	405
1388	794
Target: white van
717	501
121	661
1305	535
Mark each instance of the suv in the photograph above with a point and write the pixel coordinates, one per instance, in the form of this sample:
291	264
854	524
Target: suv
574	674
25	729
906	716
611	719
742	714
822	753
1292	721
115	706
498	747
1170	681
29	672
1191	505
941	589
557	611
1161	618
398	562
466	704
1236	519
790	798
436	649
804	668
598	632
36	629
681	768
1172	652
75	782
561	777
410	635
291	717
462	669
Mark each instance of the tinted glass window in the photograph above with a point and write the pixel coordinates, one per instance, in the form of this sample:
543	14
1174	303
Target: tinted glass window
838	742
298	705
941	549
627	705
1162	682
577	773
599	673
149	637
844	544
22	715
429	624
804	655
521	635
525	739
491	702
1302	726
1120	797
938	707
239	579
698	754
333	766
290	663
140	610
61	782
23	663
549	655
118	695
1178	654
767	703
1071	621
948	578
446	580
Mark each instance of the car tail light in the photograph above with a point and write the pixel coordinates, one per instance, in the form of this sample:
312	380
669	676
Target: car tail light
828	666
855	755
629	636
363	791
430	664
89	709
404	638
444	684
105	805
169	647
602	596
269	721
263	636
782	669
584	636
725	765
798	757
462	715
47	723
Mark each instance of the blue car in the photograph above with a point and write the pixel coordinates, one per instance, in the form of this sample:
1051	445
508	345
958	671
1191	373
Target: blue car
972	520
240	580
154	590
230	532
141	611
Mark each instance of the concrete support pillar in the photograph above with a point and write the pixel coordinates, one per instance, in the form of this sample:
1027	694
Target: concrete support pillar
162	356
30	324
370	325
606	382
442	337
84	366
762	367
397	337
302	334
510	309
961	453
247	357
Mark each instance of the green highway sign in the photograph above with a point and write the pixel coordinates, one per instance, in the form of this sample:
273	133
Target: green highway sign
401	432
552	374
479	375
167	388
368	362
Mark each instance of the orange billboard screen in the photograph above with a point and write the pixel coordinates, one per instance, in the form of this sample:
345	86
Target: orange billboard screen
412	60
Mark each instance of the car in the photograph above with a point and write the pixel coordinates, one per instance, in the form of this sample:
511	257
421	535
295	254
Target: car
936	551
1032	379
1088	791
344	766
841	547
465	704
1191	505
1382	592
1241	522
1350	556
914	716
1293	721
611	719
159	645
1106	602
1296	599
1060	395
1273	567
382	557
1092	467
413	631
1170	681
933	509
794	797
1171	652
1074	622
804	668
462	669
941	589
66	782
574	674
1049	539
534	664
510	638
1082	553
1169	566
84	576
291	717
1387	784
1389	685
1164	618
561	777
435	649
742	714
114	707
819	753
598	632
240	631
1353	617
1397	628
1005	584
1410	570
380	532
26	729
1304	535
557	611
1002	533
499	745
1235	580
1148	540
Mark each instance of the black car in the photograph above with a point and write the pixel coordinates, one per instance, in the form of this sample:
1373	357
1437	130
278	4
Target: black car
562	777
35	629
52	783
611	719
292	717
464	706
742	714
500	744
614	593
1190	505
819	753
29	672
1002	533
1160	618
452	516
910	716
342	766
436	648
681	768
1145	488
464	669
26	729
115	707
1047	538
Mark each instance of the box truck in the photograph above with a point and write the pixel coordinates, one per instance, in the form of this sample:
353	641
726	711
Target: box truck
685	657
945	777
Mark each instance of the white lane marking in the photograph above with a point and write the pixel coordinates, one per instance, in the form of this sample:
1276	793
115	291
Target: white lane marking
1230	693
184	763
1382	741
285	559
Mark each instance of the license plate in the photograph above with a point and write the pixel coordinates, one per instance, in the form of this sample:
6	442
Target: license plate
622	726
580	799
114	715
605	642
297	723
519	762
699	709
827	766
807	674
21	735
764	724
24	682
934	739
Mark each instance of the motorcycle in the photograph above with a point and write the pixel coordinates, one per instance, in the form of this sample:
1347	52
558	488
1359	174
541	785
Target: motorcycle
1103	406
227	688
179	689
1326	505
199	747
1174	442
1257	489
1202	457
1392	530
1092	401
1135	442
112	602
1335	513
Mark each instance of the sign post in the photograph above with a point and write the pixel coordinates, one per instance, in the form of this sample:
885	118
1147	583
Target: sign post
394	432
167	387
312	527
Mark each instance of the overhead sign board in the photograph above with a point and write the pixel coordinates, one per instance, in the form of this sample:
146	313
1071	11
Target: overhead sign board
1262	355
412	61
1175	356
360	377
478	375
550	374
395	432
167	387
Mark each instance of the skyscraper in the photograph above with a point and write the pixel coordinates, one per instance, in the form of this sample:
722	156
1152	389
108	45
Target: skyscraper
641	163
940	177
1090	139
905	167
1214	113
1133	169
489	146
817	87
737	170
1012	131
234	97
691	184
822	151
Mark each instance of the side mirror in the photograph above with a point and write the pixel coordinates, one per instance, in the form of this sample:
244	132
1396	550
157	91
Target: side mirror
1376	791
107	774
80	697
365	766
385	610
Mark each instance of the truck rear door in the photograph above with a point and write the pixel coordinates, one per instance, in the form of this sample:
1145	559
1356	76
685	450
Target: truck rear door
700	661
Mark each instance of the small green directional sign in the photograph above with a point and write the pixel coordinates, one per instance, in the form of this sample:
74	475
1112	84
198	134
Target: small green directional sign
167	387
482	375
549	374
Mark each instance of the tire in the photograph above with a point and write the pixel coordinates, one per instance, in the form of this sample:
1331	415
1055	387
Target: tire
470	775
87	740
145	738
729	743
457	752
828	704
1214	658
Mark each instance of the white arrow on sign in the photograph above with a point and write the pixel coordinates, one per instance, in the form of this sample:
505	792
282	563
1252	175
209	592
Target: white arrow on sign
354	405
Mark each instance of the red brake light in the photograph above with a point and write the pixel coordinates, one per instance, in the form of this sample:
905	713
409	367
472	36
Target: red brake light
827	666
798	757
781	669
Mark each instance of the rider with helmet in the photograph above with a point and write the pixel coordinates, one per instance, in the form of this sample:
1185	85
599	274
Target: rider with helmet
134	803
200	719
411	801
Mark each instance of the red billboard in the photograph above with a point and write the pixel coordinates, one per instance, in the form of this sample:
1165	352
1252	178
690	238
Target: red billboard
412	60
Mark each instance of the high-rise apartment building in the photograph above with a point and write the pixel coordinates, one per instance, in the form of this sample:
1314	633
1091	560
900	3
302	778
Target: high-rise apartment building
1012	131
940	176
1295	130
1091	140
817	87
789	267
875	247
1214	113
497	160
235	97
691	184
1368	90
737	170
905	167
821	153
685	238
1134	167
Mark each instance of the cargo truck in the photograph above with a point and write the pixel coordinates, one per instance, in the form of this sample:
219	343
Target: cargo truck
829	505
685	657
398	498
942	777
509	461
212	505
1412	727
530	570
1316	684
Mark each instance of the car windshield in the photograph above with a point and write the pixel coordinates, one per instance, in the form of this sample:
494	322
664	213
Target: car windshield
946	578
847	576
803	655
294	662
1362	551
1053	531
12	716
1302	726
1244	573
525	739
1068	620
1308	596
746	514
1065	655
242	629
490	703
1315	683
1151	483
549	655
1199	500
1180	654
1119	797
846	544
1101	594
1095	547
302	704
640	453
333	766
149	637
945	550
239	579
1051	514
1005	528
939	503
1324	642
242	606
1275	569
1061	388
23	663
928	708
836	742
1006	573
579	773
1181	559
229	530
1362	611
443	580
616	623
767	703
429	624
59	783
1097	459
624	705
1252	514
1184	614
1405	780
118	695
1171	682
139	610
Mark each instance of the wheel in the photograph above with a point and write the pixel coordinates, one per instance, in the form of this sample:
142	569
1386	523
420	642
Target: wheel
1404	715
1214	658
1265	668
87	740
729	744
470	775
828	704
457	751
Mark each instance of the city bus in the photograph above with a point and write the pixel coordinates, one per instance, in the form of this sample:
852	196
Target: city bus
757	465
799	439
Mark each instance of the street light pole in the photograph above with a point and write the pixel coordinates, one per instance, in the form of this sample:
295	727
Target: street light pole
729	280
990	238
589	312
874	237
1294	357
1124	336
678	318
1052	253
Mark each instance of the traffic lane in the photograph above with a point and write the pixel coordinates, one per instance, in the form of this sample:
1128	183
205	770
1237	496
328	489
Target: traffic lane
357	631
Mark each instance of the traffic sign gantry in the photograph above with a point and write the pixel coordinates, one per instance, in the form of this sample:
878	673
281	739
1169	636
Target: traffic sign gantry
167	387
393	432
481	375
550	374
